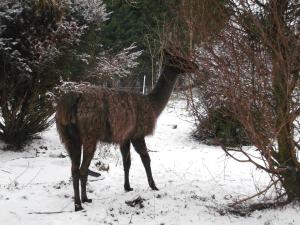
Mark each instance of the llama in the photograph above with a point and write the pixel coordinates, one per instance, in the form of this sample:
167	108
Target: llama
92	114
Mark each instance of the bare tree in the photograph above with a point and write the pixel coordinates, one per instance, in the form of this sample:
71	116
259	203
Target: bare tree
252	65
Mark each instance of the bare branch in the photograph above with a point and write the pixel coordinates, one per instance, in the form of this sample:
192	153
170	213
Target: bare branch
255	195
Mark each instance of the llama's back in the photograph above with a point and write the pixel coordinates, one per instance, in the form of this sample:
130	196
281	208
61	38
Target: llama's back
113	116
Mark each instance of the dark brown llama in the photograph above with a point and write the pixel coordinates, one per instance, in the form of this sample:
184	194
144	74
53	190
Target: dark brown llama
93	114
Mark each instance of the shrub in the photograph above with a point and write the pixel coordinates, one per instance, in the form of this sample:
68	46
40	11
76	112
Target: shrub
220	127
34	35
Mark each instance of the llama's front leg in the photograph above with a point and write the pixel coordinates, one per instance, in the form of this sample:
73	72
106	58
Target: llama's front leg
141	148
75	178
74	150
125	151
88	154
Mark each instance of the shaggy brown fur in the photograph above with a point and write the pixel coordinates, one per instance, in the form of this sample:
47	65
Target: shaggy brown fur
93	114
108	115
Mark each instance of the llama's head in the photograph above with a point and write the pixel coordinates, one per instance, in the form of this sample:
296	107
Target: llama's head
179	63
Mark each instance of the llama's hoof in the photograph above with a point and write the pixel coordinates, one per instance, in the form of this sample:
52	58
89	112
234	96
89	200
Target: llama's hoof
128	188
154	188
78	207
88	200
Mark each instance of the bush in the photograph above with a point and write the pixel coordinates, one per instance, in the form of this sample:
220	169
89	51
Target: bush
21	127
34	35
220	127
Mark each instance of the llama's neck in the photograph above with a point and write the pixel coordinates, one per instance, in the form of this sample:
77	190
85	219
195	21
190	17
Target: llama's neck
161	93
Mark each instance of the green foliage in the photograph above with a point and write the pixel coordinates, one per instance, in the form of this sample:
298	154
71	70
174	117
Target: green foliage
26	52
221	127
74	63
134	23
39	44
130	23
227	129
23	125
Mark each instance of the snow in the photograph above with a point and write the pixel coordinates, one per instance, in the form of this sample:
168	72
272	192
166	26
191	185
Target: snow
195	180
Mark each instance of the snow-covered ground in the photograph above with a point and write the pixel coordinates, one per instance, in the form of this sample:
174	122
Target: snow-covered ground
195	181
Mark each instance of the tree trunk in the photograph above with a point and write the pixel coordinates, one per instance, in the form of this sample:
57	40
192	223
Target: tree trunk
291	176
287	159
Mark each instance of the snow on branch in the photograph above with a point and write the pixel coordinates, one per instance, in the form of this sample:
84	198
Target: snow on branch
119	65
108	67
32	36
93	11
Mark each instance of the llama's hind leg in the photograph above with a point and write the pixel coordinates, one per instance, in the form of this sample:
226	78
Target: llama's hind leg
125	151
89	148
141	148
74	150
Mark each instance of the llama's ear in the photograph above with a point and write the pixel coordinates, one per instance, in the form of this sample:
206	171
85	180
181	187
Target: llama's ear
170	56
167	53
194	67
181	62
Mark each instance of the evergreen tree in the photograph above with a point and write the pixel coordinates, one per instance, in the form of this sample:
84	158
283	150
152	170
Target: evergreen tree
34	36
136	23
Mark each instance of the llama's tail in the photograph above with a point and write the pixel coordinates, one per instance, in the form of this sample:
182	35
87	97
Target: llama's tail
65	118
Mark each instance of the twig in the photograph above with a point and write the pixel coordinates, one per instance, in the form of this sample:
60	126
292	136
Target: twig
154	209
25	157
5	171
210	172
53	212
149	150
117	219
249	159
253	196
98	178
100	199
21	174
254	207
130	221
66	205
34	177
